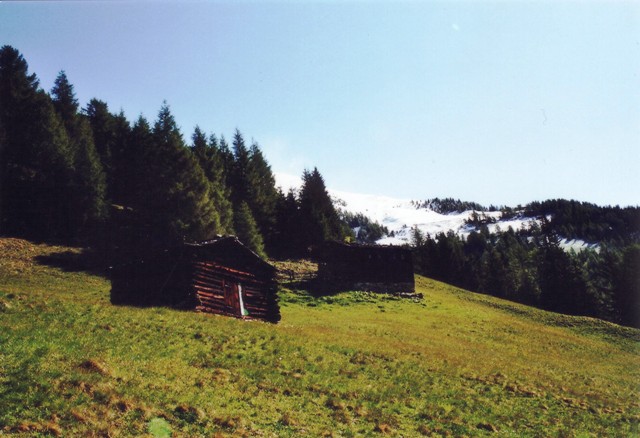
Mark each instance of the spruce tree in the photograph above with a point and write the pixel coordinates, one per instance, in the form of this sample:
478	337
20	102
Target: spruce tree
125	165
137	154
210	160
262	193
247	229
104	136
226	157
87	202
64	101
288	239
36	161
174	202
319	217
627	287
239	175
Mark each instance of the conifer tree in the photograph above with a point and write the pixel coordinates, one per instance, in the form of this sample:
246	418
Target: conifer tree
239	178
139	150
64	101
318	215
174	202
227	162
247	229
36	161
225	159
627	288
263	194
210	160
288	238
103	127
125	165
87	202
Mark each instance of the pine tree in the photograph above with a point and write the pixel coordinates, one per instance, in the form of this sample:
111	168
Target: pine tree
239	175
247	229
226	157
125	161
87	201
262	193
104	137
318	215
210	160
64	101
36	159
138	157
627	290
288	239
174	202
90	187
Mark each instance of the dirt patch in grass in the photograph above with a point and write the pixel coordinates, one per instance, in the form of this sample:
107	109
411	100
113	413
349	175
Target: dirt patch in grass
295	270
94	366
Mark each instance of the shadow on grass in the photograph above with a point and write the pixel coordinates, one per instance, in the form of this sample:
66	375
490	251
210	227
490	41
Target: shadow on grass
87	260
312	286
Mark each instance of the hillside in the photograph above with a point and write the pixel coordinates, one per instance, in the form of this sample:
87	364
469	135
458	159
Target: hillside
579	225
453	364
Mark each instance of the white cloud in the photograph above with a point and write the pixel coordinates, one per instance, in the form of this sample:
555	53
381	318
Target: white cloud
455	27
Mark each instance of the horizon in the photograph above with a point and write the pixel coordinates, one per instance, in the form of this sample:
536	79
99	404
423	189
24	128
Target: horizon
494	103
286	181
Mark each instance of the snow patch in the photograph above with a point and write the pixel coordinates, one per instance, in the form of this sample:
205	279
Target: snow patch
400	215
577	245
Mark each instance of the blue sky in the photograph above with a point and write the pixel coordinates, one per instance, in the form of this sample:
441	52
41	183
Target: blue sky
494	102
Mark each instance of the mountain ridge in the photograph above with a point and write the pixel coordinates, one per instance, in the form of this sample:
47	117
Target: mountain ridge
400	215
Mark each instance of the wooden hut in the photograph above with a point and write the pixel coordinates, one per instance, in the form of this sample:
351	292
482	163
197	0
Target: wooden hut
376	268
218	276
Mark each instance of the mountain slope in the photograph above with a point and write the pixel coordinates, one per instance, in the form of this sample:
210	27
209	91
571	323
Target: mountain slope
400	215
352	364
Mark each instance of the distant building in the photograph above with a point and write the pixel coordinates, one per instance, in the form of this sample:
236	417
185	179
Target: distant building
376	268
218	276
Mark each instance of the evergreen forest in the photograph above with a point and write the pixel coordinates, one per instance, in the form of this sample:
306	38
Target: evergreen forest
530	266
88	176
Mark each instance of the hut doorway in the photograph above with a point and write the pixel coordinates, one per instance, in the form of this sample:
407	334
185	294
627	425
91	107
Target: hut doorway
233	298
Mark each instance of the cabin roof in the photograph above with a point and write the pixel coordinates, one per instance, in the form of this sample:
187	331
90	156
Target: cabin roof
229	251
329	250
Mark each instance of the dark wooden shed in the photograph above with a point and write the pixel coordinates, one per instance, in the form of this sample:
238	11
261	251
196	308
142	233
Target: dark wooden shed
218	276
376	268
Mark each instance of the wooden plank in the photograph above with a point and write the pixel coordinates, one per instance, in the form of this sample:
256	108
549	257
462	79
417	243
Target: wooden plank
210	297
204	295
208	310
217	267
205	276
215	307
215	290
207	288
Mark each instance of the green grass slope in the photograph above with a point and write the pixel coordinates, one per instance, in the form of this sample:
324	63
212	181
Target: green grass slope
453	364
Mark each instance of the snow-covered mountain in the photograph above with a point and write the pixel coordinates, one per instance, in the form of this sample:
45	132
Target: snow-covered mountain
400	215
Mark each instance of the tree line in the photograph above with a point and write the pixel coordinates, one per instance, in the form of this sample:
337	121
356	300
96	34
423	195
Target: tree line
529	266
90	176
570	218
592	223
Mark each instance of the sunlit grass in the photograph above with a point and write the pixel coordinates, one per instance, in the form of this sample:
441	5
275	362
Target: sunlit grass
354	364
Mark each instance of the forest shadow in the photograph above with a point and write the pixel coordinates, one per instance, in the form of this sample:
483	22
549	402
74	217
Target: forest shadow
87	260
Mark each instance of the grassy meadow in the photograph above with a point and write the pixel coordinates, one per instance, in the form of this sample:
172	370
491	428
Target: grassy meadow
355	364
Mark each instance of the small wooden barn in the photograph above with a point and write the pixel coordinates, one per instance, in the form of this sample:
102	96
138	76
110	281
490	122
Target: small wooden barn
218	276
376	268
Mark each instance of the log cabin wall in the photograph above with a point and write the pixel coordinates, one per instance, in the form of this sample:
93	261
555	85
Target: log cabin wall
226	291
387	269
